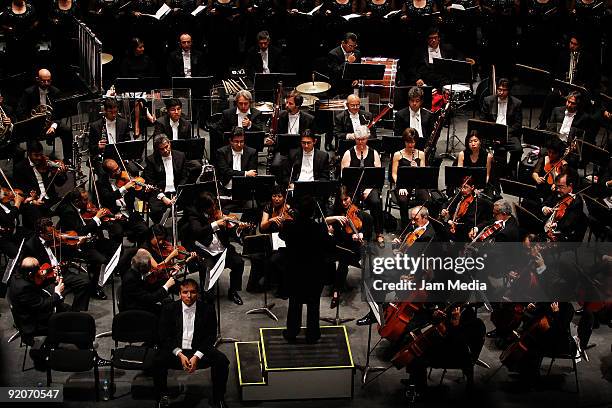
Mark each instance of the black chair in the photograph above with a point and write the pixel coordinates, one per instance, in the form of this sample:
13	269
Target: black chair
133	326
567	356
79	330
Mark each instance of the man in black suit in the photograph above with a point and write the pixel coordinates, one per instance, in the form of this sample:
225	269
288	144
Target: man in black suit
414	116
187	333
9	219
307	163
107	130
38	246
186	62
505	109
503	228
164	169
571	120
236	159
202	231
263	58
173	125
136	294
570	227
349	120
43	93
33	174
345	53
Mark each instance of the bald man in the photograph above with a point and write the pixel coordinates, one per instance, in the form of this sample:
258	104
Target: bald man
44	93
350	119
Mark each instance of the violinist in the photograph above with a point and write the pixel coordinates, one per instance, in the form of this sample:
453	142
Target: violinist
503	228
136	294
422	230
462	213
566	219
42	246
548	167
166	170
119	199
350	227
161	250
10	208
207	231
39	174
408	156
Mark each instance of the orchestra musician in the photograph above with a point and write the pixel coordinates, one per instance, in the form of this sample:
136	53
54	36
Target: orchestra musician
187	332
307	163
173	125
349	120
422	230
235	159
408	156
166	170
548	167
475	155
39	174
263	58
206	230
186	62
566	220
345	53
41	246
415	117
464	213
362	156
504	227
107	130
137	64
10	209
505	109
350	227
570	119
292	120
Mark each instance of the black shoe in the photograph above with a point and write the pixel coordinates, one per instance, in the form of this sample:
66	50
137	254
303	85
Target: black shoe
99	293
366	320
234	297
492	334
102	362
286	336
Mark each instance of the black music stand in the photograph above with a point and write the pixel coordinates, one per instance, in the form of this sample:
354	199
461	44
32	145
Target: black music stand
254	139
528	221
285	142
457	72
375	72
254	189
193	148
187	193
260	244
453	176
29	129
375	310
130	151
537	77
518	189
200	86
392	144
490	133
410	177
538	137
567	87
137	85
265	84
348	257
319	189
593	154
371	177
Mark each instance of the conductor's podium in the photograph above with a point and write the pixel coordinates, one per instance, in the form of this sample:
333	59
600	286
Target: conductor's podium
272	369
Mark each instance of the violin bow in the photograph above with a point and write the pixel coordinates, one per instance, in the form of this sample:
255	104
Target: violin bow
8	183
93	176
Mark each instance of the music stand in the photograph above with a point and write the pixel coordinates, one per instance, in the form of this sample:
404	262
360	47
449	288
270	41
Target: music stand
518	189
193	148
593	154
258	188
285	142
265	84
200	86
538	137
260	244
362	72
317	189
453	176
490	133
29	129
409	177
136	85
375	310
567	87
528	221
392	144
187	193
348	257
130	150
371	177
254	139
536	77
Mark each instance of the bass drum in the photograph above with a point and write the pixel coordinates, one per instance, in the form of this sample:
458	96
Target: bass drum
483	89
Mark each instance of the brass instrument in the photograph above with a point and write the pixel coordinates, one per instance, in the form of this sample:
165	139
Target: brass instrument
43	110
5	131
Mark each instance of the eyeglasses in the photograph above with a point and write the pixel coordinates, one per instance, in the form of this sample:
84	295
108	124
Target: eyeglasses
354	105
306	143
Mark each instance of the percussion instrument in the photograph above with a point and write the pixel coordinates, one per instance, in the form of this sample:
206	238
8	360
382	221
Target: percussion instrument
461	93
388	81
106	58
313	87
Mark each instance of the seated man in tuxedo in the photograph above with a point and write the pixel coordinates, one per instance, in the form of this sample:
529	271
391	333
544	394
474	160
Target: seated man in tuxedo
166	170
173	124
414	116
10	235
571	120
187	333
345	53
185	62
263	58
235	159
109	129
506	110
350	119
307	163
290	121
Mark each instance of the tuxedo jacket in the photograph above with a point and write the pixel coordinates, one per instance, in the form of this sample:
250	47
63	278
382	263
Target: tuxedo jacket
25	179
510	232
194	226
70	220
514	113
31	99
402	122
344	125
336	61
587	71
108	197
581	120
225	163
34	248
155	173
229	120
573	224
306	122
420	68
204	330
320	164
122	129
162	127
254	63
135	295
175	64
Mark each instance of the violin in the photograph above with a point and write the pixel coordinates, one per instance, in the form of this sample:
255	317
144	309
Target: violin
410	239
354	224
232	220
139	182
557	215
552	170
67	238
165	248
91	210
460	212
46	164
8	195
50	273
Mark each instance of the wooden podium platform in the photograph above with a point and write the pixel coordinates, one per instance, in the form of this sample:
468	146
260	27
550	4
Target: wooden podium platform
272	369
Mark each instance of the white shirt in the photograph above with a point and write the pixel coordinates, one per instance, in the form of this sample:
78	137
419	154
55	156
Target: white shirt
264	60
39	179
293	126
307	170
502	108
121	201
175	127
433	53
5	208
43	96
415	121
567	124
242	116
52	258
111	131
189	313
187	63
355	120
170	188
216	246
236	165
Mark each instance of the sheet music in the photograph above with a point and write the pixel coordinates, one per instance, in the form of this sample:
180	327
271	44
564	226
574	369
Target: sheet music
311	12
277	242
457	7
351	16
391	13
213	275
163	10
110	267
198	10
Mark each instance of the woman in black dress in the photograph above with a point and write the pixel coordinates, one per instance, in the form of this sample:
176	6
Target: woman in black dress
19	22
475	155
136	64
